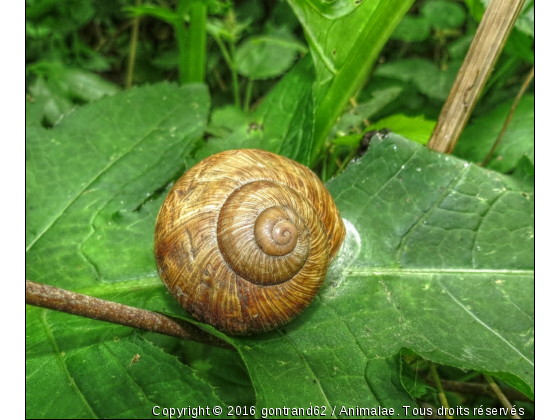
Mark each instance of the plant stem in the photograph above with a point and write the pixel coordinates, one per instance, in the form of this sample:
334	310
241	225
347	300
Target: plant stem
510	115
478	389
230	63
499	74
132	55
500	395
50	297
234	75
248	93
224	51
441	394
197	43
324	169
345	162
182	38
490	38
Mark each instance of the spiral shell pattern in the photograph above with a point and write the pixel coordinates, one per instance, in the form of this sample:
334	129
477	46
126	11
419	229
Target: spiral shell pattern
244	238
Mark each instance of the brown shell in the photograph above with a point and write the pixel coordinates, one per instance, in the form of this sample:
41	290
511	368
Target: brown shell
244	239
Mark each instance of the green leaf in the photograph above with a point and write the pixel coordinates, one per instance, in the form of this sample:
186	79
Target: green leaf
520	45
445	258
282	124
352	120
265	57
517	142
73	83
51	103
438	259
443	14
526	20
436	14
476	8
226	120
409	378
34	110
430	80
92	179
227	373
525	171
321	366
414	128
458	48
163	13
412	29
100	370
343	50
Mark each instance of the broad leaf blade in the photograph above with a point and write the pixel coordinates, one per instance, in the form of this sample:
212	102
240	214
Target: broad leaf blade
445	248
90	222
78	368
90	182
438	259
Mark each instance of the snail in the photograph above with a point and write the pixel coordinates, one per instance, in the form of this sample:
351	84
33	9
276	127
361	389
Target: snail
244	238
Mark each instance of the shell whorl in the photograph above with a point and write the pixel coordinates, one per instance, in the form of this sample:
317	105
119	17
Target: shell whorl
244	238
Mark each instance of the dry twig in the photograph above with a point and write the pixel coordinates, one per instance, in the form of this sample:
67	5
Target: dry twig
487	44
74	303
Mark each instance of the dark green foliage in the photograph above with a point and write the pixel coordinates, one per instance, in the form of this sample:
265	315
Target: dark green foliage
438	263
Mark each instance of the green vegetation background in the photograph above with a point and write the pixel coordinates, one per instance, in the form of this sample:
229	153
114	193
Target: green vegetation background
438	264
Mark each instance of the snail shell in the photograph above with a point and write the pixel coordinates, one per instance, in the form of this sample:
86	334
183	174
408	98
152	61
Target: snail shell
244	239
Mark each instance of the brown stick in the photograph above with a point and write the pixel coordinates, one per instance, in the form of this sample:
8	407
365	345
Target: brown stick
50	297
510	115
487	44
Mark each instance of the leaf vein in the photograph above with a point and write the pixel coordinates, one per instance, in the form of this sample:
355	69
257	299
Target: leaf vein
420	221
307	366
96	177
483	324
57	353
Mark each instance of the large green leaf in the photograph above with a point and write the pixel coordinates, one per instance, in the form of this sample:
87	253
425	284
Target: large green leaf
79	368
445	261
344	36
438	259
91	182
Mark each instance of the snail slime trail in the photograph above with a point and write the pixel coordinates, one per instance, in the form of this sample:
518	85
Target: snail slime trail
244	239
